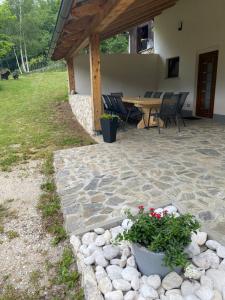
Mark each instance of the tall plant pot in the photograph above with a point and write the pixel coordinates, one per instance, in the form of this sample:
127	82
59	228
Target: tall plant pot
151	263
109	129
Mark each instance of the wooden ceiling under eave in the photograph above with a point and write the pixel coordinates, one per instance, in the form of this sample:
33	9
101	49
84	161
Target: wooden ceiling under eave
107	17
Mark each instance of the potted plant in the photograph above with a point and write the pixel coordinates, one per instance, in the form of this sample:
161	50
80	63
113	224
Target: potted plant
109	125
159	240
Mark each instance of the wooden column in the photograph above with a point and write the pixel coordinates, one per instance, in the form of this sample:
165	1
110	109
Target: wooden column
71	77
95	76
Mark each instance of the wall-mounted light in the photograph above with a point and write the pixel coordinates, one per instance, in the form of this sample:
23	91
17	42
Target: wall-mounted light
180	25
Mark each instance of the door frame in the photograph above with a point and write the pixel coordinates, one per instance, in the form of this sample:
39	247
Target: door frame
210	115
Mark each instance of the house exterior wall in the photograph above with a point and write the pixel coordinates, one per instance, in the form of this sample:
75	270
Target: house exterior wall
132	74
203	31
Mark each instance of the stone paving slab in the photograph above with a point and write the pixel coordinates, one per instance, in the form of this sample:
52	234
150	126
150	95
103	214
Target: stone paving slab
96	183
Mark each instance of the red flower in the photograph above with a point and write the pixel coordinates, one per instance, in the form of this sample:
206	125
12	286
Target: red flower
141	207
151	209
158	216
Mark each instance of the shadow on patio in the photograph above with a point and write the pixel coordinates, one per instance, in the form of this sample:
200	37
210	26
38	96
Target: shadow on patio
97	182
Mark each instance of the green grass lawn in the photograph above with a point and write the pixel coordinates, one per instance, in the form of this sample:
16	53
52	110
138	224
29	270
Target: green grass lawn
35	119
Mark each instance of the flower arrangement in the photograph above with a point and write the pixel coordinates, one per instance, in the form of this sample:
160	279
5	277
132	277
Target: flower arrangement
162	233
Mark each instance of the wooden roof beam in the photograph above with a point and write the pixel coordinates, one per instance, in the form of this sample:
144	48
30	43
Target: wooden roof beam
87	9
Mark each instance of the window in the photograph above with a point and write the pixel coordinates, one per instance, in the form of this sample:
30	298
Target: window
173	67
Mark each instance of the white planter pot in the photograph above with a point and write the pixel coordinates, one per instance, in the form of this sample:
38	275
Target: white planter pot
151	263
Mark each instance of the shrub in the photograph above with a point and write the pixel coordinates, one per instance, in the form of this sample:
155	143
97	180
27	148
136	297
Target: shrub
164	232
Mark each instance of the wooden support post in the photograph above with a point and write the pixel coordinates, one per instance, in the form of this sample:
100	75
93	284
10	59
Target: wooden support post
95	75
71	77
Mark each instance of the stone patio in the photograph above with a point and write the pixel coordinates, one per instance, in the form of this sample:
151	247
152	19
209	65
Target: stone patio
187	169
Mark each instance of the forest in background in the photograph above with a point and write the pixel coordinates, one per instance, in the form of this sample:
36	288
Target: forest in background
26	28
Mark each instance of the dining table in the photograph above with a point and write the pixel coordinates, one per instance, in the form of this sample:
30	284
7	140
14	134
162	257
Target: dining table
147	106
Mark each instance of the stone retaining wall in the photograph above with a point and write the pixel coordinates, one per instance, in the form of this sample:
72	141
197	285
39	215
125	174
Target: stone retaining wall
82	109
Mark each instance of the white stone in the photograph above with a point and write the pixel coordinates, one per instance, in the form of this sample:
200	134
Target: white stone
191	297
218	278
131	262
144	279
100	273
213	245
148	291
206	259
192	272
154	281
89	238
188	287
121	284
140	297
107	236
115	295
99	230
223	292
123	261
129	273
200	237
173	297
217	295
111	251
135	283
161	291
100	241
115	231
83	248
76	243
159	210
127	224
205	280
131	295
105	285
204	293
222	265
170	209
114	272
92	248
172	281
126	252
173	292
220	251
89	260
192	249
115	261
86	252
100	259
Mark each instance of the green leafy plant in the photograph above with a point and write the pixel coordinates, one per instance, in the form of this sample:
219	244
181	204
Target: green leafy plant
109	117
163	232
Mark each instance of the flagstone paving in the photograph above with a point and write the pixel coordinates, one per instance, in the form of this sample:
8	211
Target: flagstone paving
97	182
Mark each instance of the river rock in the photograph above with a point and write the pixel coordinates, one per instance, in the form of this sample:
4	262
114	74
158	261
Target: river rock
173	292
218	278
172	281
189	287
126	252
192	272
129	273
127	224
220	251
107	236
131	295
116	230
92	248
131	262
100	273
123	261
191	297
105	285
222	265
111	251
89	238
199	237
223	292
148	291
154	281
76	243
100	241
206	260
170	209
212	245
121	284
100	259
204	293
135	283
114	272
89	260
207	281
217	295
115	295
192	249
115	261
99	230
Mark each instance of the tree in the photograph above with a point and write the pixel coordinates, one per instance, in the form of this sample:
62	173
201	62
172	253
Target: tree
115	44
5	42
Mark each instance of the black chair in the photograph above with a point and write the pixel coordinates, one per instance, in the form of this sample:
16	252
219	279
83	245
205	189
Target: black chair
148	94
120	94
168	95
182	99
168	110
107	104
157	94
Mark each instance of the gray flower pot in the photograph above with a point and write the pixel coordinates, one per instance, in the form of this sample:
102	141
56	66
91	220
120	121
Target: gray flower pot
151	263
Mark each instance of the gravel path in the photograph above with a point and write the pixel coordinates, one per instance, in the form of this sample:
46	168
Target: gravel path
23	258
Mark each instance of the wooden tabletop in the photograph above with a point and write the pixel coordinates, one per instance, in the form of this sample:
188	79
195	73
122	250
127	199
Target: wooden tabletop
142	101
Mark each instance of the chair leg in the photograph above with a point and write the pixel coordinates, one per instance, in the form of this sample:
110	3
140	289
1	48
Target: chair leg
127	117
158	124
178	123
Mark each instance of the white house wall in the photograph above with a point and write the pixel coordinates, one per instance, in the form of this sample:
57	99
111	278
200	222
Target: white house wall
132	74
203	31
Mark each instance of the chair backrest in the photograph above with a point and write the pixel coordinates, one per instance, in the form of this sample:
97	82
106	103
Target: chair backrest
157	94
169	106
182	99
168	95
107	103
148	94
122	109
120	94
113	101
